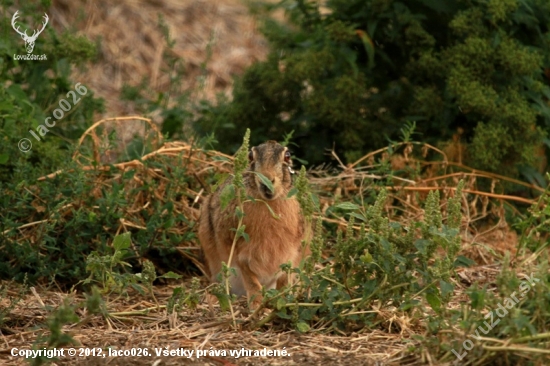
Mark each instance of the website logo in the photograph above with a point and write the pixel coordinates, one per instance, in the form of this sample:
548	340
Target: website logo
29	40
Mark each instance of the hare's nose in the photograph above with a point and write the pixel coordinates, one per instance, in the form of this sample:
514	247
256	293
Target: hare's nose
264	186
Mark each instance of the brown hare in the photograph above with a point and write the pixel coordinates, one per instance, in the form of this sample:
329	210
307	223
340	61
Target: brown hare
272	241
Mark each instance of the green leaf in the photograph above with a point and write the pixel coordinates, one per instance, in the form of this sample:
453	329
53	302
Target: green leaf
224	301
358	216
422	245
280	303
395	225
17	92
369	47
283	314
240	232
138	288
227	194
121	241
239	213
434	301
446	288
347	206
462	261
302	327
266	181
4	158
477	298
406	305
294	190
177	292
171	275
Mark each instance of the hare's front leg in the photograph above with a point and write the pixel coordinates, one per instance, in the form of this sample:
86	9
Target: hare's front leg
251	284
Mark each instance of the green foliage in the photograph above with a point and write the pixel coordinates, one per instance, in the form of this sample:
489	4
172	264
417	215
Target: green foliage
304	195
235	191
31	90
518	310
181	299
537	224
381	261
240	165
108	271
66	314
102	268
71	216
356	72
57	338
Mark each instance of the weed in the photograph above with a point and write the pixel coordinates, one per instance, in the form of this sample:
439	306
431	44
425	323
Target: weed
380	262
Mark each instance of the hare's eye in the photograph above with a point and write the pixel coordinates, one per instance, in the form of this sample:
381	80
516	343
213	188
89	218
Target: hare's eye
250	155
287	156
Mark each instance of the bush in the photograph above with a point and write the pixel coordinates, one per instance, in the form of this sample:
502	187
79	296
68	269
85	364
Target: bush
354	72
48	229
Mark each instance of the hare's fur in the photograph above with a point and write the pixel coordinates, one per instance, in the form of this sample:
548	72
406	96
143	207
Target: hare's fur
273	241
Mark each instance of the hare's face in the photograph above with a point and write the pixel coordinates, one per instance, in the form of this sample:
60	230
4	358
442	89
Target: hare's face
273	161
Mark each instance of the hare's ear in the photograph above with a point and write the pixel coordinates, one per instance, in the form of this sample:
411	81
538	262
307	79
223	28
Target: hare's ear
251	155
287	158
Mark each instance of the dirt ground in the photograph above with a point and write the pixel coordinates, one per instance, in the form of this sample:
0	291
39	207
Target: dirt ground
136	323
200	330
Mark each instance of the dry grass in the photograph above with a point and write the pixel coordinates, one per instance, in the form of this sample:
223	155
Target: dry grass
215	40
136	322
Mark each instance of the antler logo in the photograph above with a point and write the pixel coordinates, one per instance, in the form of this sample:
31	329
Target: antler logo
29	40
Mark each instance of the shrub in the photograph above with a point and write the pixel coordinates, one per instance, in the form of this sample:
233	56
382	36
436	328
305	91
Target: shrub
49	228
352	73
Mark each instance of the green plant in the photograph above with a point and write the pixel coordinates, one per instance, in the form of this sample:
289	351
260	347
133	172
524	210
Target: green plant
66	314
536	225
516	312
181	298
352	73
108	271
234	190
379	262
103	269
57	338
48	228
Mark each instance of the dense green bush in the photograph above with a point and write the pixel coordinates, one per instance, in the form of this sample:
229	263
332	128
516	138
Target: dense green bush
48	229
355	71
